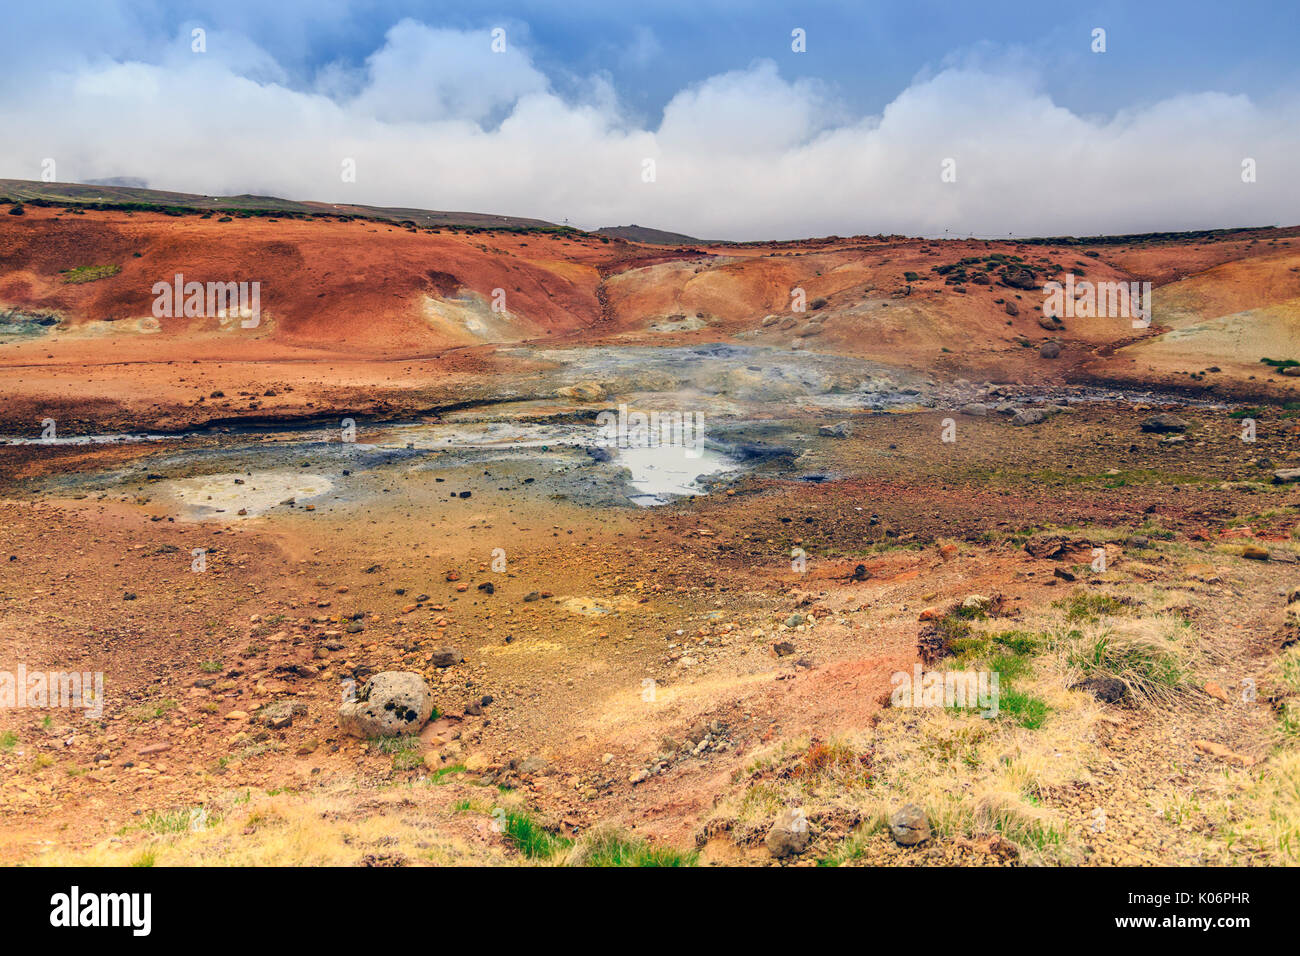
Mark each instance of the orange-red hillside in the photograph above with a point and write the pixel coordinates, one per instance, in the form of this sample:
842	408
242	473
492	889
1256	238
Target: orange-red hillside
361	311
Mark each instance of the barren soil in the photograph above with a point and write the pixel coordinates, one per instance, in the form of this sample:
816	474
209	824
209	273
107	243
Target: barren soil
666	670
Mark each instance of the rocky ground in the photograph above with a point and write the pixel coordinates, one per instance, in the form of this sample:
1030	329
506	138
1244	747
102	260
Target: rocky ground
670	671
918	469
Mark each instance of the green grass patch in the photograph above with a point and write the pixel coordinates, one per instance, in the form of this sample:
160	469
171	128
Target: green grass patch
1026	710
617	849
161	822
406	751
1019	642
1008	654
1009	667
440	775
1289	712
8	740
1090	607
154	711
532	839
956	626
89	273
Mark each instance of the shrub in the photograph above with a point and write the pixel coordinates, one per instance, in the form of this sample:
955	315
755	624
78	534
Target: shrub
1140	654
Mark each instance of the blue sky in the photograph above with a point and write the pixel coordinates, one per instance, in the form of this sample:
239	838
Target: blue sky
110	89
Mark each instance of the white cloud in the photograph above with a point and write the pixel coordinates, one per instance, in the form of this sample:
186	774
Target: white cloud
425	75
436	119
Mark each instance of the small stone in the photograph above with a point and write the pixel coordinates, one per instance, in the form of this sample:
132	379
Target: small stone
1110	690
444	657
281	713
1162	424
1217	692
908	825
1223	753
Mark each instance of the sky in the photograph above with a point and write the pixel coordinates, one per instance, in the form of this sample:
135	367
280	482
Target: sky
922	118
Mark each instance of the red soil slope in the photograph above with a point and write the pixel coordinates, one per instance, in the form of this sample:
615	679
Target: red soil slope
344	302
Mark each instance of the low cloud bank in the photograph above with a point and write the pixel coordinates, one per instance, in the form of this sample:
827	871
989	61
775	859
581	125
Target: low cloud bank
435	118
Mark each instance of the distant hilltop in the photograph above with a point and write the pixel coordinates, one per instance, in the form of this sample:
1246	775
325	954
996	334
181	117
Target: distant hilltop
654	237
118	193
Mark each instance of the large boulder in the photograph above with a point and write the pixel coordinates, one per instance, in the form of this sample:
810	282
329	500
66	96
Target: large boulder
390	703
789	834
